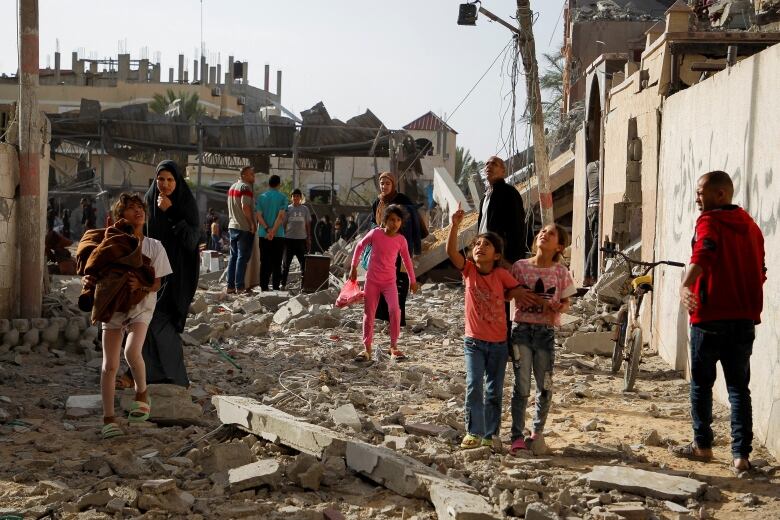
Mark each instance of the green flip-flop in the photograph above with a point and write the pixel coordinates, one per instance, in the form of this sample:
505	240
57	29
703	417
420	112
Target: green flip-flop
139	411
111	430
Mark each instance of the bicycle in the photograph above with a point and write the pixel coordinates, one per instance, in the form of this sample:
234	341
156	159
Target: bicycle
628	337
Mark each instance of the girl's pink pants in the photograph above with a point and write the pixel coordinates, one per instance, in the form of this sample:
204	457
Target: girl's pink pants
372	290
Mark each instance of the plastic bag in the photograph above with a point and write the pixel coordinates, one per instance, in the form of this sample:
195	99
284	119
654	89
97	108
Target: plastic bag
350	293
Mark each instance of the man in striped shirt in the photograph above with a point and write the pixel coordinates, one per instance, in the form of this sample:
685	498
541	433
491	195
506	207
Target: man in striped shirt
241	228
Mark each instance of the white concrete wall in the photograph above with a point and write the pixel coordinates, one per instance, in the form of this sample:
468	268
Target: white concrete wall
729	122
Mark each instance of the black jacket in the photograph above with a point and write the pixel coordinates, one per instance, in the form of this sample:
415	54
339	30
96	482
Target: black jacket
506	217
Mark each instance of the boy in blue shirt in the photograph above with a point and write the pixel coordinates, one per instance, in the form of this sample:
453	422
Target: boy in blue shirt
270	210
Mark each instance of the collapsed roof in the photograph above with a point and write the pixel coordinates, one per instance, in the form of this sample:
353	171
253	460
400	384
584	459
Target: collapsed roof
134	127
625	10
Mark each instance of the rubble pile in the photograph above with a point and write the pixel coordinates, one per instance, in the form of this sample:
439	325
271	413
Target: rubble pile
611	10
280	423
57	336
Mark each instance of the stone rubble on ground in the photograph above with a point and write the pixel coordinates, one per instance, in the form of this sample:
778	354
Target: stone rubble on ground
325	438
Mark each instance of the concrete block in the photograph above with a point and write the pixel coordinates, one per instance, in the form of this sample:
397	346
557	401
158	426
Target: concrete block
267	472
158	486
294	308
171	405
223	457
348	416
78	406
644	483
540	511
598	343
458	503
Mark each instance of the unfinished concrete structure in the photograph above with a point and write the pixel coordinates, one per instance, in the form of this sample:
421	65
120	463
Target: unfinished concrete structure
624	123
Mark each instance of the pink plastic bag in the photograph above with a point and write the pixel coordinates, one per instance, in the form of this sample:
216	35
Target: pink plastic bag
349	294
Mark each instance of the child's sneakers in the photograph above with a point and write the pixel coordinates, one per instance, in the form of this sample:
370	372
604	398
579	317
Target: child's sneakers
472	441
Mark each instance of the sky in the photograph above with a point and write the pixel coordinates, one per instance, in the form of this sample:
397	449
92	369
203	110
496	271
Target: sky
398	58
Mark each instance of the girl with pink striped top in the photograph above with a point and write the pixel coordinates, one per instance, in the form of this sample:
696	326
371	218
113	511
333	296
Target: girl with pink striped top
386	244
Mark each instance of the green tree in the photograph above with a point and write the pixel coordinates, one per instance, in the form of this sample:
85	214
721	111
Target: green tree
551	81
184	104
465	168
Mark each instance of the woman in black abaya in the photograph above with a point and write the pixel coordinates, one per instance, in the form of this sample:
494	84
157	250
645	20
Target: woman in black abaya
172	219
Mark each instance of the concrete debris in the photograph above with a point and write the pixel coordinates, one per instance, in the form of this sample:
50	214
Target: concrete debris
613	286
171	405
399	473
78	406
266	472
592	343
398	458
348	416
540	511
611	10
222	457
644	483
306	471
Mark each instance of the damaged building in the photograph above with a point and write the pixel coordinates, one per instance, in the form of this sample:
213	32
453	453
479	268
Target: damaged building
697	99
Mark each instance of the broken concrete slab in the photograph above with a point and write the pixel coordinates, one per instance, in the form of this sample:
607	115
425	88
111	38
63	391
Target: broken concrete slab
78	406
158	486
271	300
426	429
171	405
348	416
540	511
644	483
399	473
294	308
223	457
452	503
593	343
266	472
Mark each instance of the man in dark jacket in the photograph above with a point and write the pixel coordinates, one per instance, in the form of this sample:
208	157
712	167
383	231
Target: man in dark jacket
501	211
723	293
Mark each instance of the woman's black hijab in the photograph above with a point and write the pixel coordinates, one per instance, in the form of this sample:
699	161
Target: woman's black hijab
178	228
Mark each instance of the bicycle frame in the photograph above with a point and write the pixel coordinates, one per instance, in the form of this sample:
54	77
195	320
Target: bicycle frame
630	348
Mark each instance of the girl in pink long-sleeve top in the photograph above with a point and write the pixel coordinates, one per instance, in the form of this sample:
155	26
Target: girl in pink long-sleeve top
386	244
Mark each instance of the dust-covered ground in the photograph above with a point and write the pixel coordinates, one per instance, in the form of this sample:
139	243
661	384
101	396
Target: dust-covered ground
299	360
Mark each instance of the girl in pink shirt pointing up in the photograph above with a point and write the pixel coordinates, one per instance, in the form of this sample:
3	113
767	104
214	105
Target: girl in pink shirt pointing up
386	244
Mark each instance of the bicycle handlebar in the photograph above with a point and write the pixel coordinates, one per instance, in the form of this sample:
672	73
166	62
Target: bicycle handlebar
630	260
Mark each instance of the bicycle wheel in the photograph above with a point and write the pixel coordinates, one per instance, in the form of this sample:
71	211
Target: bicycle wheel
617	351
632	363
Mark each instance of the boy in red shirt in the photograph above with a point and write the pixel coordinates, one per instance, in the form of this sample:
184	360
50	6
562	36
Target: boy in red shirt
723	292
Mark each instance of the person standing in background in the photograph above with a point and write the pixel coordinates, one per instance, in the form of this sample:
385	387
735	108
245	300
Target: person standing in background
241	228
297	234
592	237
270	213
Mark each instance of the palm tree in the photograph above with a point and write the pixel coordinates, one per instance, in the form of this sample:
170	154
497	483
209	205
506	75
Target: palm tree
465	167
181	104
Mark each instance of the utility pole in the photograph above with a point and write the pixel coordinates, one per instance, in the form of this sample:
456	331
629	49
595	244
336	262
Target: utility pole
531	68
30	142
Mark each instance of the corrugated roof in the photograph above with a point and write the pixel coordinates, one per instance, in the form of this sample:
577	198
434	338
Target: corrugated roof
429	122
